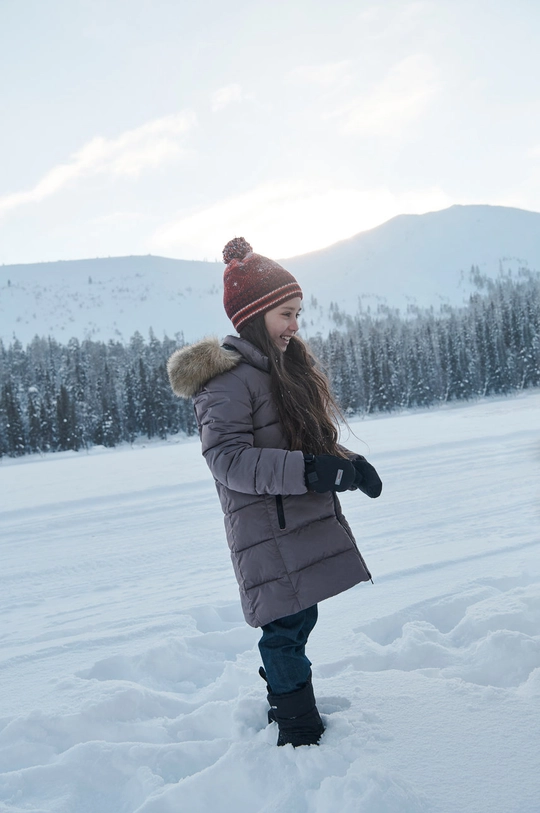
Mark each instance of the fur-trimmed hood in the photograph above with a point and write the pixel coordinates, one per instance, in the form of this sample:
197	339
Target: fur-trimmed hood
191	367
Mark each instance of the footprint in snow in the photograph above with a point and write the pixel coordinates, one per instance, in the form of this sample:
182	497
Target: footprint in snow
483	634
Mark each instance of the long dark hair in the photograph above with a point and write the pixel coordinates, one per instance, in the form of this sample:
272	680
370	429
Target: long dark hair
307	409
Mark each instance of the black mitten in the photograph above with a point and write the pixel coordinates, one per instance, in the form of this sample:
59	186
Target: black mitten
367	479
327	472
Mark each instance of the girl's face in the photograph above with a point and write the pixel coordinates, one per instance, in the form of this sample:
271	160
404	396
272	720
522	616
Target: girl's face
282	322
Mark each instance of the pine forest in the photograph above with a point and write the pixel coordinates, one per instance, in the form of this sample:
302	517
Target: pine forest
57	397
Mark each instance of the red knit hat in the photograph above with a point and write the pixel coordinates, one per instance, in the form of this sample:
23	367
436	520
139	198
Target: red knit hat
253	284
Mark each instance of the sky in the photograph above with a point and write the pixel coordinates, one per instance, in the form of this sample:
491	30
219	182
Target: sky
168	127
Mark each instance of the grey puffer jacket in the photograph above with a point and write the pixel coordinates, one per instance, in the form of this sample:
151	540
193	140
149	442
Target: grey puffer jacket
290	547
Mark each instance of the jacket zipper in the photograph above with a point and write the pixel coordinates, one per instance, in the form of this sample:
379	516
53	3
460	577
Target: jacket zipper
280	512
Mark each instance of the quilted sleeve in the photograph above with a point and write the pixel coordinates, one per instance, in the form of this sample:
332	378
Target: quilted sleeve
225	417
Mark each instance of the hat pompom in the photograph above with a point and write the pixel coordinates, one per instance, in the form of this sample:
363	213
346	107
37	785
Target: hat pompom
236	249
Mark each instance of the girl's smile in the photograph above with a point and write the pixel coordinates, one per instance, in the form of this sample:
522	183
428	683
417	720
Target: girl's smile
282	322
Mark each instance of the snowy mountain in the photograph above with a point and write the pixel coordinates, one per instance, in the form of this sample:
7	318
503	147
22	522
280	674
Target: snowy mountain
411	259
423	259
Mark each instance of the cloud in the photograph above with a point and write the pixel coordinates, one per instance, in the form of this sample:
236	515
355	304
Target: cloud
225	96
393	17
121	218
146	147
284	219
324	76
396	101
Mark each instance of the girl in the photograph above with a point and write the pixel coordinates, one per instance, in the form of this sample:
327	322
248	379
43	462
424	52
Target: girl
268	426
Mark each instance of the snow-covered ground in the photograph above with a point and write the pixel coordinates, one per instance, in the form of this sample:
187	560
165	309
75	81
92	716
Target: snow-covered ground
129	678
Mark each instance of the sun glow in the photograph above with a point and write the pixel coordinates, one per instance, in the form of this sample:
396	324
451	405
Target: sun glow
284	220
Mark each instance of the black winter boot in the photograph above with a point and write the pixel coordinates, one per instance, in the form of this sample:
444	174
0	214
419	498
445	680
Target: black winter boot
296	714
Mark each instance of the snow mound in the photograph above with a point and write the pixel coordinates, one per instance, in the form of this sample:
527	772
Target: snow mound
182	725
494	642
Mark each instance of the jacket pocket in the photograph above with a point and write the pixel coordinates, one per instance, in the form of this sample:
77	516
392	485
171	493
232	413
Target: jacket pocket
280	512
